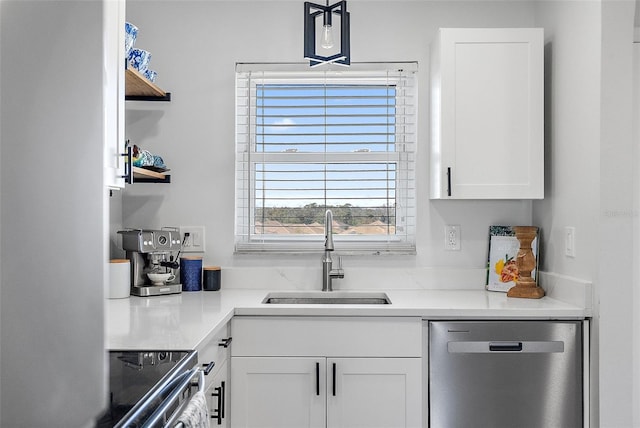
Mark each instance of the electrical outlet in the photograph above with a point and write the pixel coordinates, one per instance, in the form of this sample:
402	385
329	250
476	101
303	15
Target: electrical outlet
452	237
193	242
570	241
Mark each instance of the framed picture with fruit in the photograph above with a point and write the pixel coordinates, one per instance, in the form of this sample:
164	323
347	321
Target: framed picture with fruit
503	255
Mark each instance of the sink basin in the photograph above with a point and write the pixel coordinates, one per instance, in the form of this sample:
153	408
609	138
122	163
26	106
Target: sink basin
326	298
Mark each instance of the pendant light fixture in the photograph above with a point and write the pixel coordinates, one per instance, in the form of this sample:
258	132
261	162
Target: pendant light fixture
325	51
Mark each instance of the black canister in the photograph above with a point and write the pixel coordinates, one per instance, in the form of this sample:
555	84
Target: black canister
211	278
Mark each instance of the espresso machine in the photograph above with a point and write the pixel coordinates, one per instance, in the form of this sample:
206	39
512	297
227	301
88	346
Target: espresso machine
151	251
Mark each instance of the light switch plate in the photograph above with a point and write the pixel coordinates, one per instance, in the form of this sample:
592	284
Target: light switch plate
195	242
570	241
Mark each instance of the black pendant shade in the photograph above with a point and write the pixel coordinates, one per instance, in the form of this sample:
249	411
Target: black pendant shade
316	15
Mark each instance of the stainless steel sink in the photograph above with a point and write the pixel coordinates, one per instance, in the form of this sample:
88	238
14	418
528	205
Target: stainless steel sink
327	298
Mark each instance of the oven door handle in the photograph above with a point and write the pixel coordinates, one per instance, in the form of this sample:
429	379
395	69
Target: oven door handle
185	381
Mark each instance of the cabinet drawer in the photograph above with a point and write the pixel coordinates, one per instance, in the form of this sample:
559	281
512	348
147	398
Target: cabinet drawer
215	351
327	336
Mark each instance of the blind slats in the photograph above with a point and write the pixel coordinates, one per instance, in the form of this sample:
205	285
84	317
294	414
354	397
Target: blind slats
307	141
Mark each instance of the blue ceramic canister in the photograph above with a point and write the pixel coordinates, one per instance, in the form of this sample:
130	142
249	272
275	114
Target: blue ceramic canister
191	273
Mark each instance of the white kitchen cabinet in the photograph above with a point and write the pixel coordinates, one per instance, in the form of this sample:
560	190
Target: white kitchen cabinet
213	357
278	392
487	111
374	392
326	372
307	392
217	395
113	92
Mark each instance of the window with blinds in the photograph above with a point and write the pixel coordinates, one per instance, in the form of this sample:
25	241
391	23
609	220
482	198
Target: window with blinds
310	140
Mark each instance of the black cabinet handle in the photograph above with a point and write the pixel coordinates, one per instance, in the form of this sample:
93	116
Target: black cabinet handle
225	342
219	412
317	378
224	393
208	367
334	379
128	167
449	181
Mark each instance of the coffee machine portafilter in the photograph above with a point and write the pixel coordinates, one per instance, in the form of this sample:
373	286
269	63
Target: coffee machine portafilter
151	251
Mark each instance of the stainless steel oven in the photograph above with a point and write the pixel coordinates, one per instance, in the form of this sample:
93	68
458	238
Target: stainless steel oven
149	388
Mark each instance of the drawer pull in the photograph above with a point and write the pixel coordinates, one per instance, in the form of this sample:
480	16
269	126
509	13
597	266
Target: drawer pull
219	412
225	342
334	379
318	379
208	367
128	166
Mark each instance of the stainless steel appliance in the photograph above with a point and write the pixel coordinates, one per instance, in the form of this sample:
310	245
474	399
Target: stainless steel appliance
152	251
149	388
505	374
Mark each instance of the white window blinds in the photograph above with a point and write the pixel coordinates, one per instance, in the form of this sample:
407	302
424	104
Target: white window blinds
310	140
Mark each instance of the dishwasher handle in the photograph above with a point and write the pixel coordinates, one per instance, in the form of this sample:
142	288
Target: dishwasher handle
488	347
505	346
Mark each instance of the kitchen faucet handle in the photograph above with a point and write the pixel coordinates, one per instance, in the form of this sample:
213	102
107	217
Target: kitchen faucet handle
339	272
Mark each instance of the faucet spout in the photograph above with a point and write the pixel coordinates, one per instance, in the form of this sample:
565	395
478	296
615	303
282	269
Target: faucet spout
328	231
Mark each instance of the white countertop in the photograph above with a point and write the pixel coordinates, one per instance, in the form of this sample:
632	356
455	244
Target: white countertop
187	320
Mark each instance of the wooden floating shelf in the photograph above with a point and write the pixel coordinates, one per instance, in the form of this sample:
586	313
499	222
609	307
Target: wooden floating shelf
142	175
139	88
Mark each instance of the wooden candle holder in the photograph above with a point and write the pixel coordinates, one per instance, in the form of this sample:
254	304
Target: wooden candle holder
526	286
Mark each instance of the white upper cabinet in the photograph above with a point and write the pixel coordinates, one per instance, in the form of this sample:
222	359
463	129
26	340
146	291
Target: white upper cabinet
113	93
487	110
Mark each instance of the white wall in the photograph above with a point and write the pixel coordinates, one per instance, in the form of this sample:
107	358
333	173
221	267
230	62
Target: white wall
615	241
590	168
572	134
195	46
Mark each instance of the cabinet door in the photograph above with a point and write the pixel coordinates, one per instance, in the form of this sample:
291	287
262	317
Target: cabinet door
278	392
488	112
218	397
113	93
374	392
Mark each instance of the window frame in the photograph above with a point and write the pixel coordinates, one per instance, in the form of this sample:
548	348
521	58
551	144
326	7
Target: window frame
246	239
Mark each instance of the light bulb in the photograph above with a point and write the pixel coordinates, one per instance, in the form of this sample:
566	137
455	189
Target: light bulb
327	37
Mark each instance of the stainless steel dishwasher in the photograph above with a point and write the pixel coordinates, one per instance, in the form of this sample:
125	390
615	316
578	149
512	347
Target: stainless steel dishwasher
505	374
